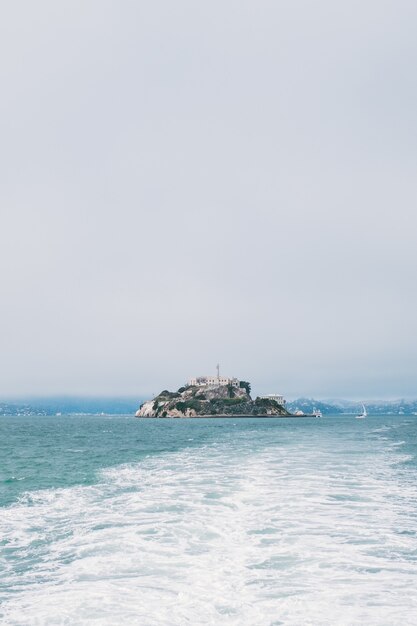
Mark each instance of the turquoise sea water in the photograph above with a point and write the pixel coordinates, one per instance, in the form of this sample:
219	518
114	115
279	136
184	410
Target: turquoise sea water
115	520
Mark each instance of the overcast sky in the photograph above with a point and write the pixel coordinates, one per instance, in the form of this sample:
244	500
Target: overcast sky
186	183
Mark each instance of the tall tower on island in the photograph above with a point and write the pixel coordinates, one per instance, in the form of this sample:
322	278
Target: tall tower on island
218	374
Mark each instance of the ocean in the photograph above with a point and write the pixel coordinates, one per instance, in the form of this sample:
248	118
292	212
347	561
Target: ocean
243	522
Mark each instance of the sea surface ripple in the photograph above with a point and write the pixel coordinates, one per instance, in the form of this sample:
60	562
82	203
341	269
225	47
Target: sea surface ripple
235	522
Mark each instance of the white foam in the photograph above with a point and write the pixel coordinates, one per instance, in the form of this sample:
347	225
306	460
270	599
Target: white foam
219	535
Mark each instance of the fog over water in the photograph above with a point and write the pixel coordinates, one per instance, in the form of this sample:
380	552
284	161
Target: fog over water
190	183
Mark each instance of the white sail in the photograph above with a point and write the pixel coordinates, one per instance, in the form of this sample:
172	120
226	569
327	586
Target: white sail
363	414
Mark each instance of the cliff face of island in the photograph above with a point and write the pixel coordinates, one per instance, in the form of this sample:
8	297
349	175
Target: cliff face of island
210	400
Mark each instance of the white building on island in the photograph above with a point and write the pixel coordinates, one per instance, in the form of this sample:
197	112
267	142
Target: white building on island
204	381
277	397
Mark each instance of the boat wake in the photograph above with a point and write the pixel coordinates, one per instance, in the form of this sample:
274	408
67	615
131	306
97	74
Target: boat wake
222	534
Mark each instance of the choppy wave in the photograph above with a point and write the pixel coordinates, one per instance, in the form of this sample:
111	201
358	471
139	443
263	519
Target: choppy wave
299	534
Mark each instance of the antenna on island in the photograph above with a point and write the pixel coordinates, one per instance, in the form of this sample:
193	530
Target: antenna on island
218	373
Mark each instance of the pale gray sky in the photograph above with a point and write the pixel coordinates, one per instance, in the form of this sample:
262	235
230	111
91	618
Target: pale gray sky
190	182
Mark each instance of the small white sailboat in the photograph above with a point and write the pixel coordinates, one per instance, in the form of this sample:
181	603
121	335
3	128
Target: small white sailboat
363	414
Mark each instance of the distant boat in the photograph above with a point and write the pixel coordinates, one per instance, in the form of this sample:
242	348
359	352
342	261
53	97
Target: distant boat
363	414
317	413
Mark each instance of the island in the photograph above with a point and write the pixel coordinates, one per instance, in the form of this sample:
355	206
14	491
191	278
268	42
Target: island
215	396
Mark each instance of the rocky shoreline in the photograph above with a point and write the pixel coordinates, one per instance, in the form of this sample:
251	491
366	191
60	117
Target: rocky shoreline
229	416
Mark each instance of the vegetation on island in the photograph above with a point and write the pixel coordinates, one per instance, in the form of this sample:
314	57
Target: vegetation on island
209	400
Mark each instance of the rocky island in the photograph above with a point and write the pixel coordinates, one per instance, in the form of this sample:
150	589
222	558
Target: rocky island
211	397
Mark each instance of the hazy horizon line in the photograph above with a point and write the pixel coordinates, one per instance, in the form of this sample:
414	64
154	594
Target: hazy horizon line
141	395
